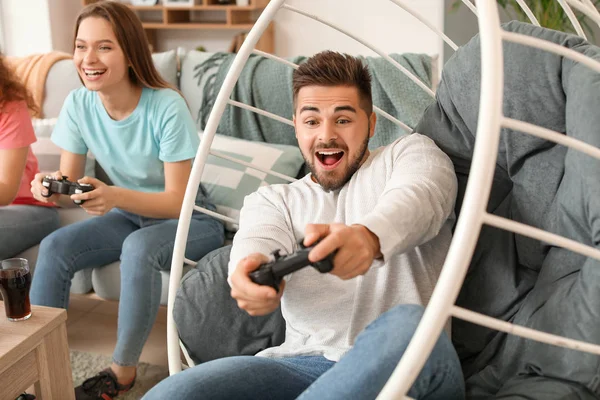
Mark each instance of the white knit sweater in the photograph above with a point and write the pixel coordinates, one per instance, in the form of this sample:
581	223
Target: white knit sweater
404	193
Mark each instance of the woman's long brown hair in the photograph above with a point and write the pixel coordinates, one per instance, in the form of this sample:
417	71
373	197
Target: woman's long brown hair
11	88
132	40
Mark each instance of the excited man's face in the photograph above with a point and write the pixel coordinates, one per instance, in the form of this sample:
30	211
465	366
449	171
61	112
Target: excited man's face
333	132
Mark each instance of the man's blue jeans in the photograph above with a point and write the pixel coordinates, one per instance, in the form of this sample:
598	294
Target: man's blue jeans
22	227
144	246
360	374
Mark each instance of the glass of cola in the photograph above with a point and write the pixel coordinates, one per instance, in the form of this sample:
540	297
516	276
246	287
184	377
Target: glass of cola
15	282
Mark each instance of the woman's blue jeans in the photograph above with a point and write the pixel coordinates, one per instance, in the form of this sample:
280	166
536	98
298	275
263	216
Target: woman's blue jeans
360	374
22	227
144	246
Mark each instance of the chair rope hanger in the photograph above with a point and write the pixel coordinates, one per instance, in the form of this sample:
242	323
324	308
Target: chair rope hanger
473	215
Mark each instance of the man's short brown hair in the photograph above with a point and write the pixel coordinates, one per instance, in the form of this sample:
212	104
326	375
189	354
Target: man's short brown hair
330	68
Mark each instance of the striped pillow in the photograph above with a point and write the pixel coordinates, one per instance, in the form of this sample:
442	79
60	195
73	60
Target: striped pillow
227	182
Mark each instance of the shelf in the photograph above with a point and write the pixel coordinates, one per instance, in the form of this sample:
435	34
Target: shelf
195	25
146	8
201	7
210	15
194	8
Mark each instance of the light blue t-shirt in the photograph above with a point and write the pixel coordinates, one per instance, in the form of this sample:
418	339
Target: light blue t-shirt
131	151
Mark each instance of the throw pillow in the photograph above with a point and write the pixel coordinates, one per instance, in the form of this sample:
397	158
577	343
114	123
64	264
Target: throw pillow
166	65
228	182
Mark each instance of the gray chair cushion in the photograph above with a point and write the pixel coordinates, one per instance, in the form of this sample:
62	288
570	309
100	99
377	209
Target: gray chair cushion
209	322
538	183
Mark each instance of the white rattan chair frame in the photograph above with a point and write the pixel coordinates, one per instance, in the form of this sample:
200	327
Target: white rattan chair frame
473	213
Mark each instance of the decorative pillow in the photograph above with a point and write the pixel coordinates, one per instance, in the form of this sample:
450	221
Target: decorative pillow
227	182
210	323
47	153
193	83
166	65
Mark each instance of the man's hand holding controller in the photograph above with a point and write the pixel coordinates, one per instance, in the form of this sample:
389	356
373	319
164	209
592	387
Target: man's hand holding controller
253	298
346	251
356	247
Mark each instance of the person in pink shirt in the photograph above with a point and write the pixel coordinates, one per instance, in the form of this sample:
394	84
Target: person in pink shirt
24	221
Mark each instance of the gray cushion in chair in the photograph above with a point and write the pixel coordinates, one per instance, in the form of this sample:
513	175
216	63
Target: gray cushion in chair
538	183
209	322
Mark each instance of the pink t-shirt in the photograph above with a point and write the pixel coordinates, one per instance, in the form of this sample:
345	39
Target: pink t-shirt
16	131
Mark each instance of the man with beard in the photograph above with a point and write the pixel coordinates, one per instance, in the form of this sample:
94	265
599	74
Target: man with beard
387	214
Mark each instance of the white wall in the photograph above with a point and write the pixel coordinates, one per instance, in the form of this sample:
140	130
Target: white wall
62	20
26	27
212	41
378	21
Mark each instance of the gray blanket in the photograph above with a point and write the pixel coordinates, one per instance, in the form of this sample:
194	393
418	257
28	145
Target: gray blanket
266	84
541	184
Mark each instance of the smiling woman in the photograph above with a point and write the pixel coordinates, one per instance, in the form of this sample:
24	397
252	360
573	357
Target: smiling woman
140	130
116	31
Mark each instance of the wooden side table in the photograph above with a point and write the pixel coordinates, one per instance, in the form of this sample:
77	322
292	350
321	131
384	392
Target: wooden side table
35	351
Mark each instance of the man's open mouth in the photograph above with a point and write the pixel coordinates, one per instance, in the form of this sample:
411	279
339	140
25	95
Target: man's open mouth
329	159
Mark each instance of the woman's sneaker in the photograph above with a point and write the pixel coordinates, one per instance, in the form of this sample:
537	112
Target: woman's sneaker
26	396
103	386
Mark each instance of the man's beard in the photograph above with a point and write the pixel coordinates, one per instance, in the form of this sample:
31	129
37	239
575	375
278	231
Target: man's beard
327	179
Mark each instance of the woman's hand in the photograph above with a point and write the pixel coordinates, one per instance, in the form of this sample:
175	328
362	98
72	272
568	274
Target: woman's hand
98	201
38	190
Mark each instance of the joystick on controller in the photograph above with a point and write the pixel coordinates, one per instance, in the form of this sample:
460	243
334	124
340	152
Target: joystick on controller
272	273
65	186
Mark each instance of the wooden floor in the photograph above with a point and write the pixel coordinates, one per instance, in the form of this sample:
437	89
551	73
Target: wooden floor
92	327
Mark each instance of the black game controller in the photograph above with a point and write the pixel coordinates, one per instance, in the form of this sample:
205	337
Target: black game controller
65	186
272	273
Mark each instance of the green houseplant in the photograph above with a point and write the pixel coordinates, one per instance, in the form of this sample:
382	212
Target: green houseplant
549	14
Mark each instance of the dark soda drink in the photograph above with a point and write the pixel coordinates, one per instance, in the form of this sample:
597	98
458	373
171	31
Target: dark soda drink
14	286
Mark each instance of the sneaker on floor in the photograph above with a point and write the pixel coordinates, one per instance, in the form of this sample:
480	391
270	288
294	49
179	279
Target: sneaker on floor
103	386
26	396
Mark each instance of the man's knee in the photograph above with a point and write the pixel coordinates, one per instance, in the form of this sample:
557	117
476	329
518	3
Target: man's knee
403	321
403	316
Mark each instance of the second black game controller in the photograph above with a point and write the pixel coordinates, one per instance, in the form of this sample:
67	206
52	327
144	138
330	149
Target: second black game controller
65	186
272	273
